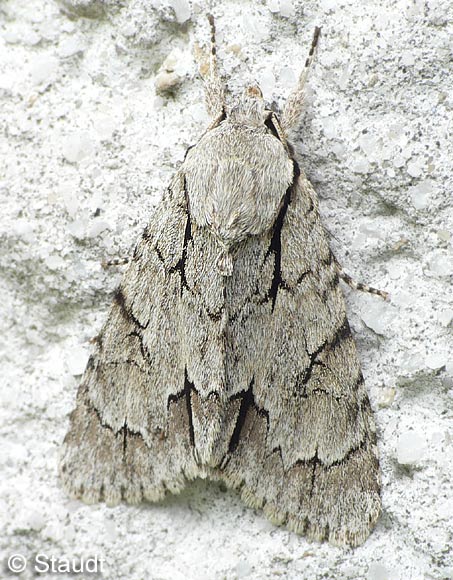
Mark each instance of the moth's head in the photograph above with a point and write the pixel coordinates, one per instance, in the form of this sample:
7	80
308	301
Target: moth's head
249	108
250	111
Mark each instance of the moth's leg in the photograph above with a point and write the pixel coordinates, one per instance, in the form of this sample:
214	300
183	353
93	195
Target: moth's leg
295	101
115	262
214	87
359	285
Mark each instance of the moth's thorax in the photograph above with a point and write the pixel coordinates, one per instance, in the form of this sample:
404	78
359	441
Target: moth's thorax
236	177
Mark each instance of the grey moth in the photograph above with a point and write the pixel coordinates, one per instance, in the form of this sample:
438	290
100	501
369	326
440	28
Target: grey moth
227	353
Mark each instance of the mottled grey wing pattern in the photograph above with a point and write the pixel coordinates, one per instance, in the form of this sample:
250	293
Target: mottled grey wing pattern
304	444
278	405
130	436
251	378
227	353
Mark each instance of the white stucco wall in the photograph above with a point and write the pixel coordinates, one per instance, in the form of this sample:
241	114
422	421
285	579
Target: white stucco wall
86	149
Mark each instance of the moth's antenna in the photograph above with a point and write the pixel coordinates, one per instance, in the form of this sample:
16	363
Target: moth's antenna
214	87
295	101
214	71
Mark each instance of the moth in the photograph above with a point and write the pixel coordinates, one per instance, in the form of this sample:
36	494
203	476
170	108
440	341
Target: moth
227	353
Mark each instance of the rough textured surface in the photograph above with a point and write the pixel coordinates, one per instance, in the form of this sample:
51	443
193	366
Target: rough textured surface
88	146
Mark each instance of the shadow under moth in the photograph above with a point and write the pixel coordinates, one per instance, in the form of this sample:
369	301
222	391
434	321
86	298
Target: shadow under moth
227	353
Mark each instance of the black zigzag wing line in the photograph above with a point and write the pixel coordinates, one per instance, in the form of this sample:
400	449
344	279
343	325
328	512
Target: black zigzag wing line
342	332
122	432
275	246
247	403
185	394
120	300
181	264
